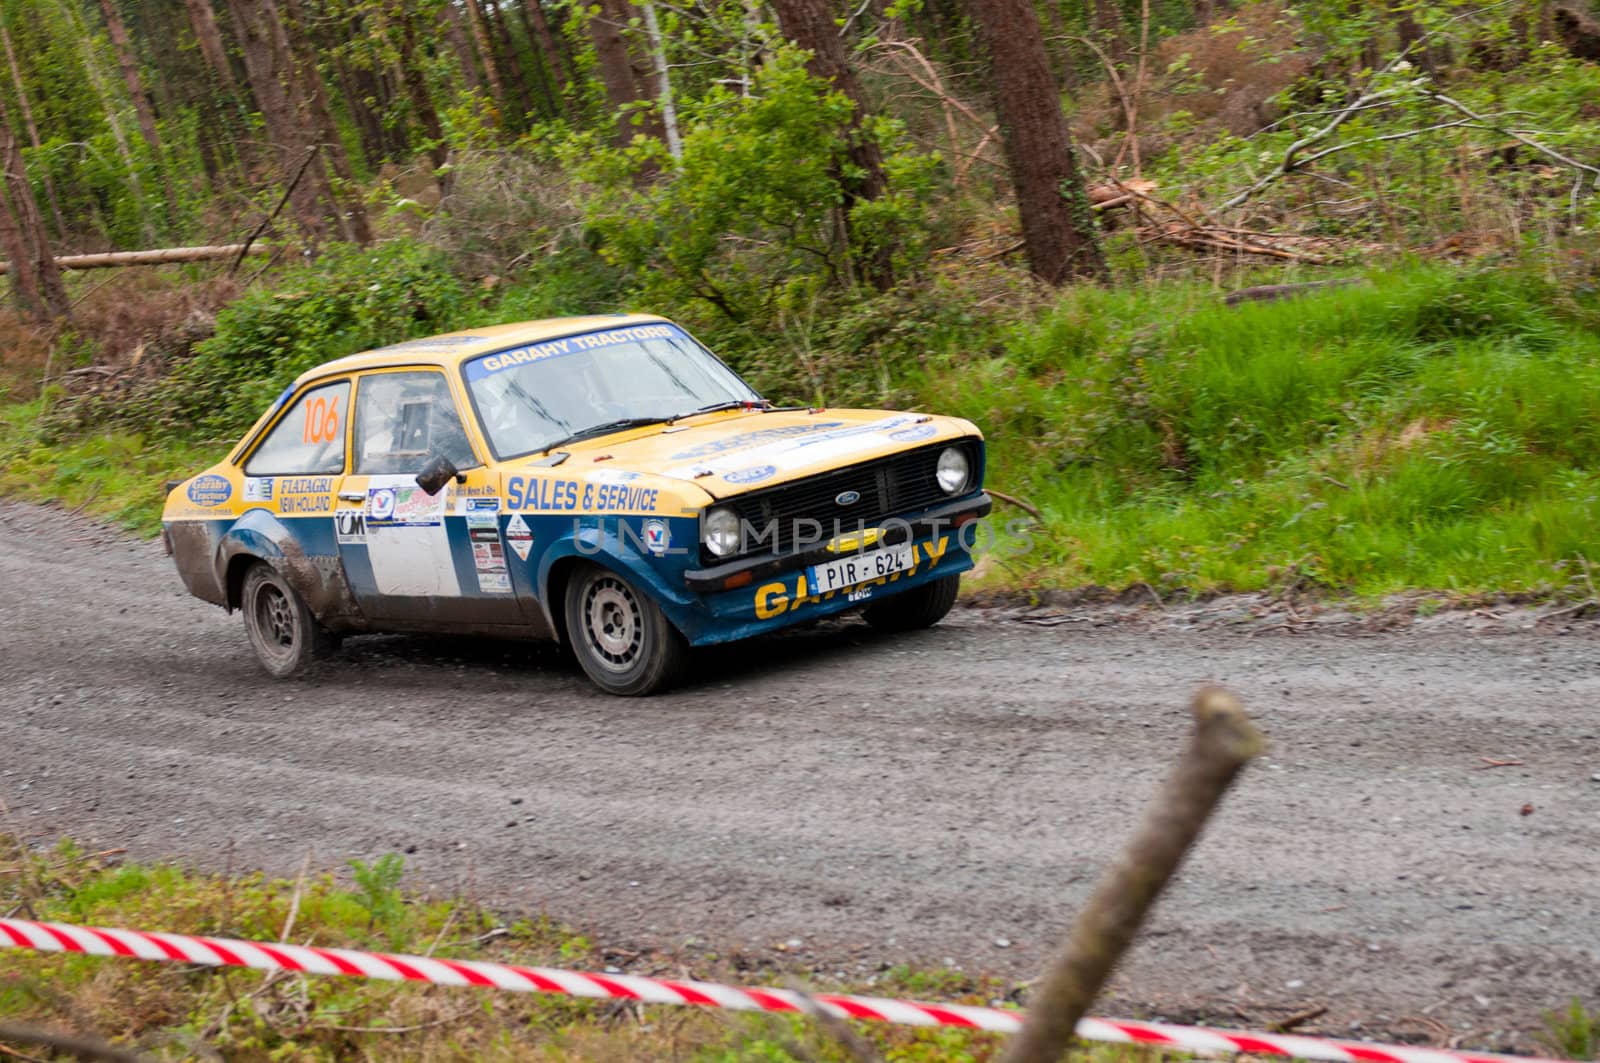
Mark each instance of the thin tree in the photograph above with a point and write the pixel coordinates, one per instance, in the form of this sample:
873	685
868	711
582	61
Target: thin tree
810	25
142	110
1058	231
459	44
36	284
538	25
629	81
417	87
306	88
480	37
310	198
33	128
108	106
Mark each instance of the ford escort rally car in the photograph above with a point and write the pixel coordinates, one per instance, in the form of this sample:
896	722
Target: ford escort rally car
603	481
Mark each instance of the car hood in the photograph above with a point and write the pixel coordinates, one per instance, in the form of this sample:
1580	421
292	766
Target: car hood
734	453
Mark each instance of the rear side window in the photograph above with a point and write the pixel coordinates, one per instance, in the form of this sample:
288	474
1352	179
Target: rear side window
309	438
403	419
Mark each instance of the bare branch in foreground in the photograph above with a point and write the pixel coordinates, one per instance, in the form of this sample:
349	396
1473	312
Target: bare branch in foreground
1224	742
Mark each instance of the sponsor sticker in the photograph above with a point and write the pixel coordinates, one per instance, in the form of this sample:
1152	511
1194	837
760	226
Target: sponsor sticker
657	537
483	513
210	490
380	503
488	365
350	526
752	475
518	535
405	504
921	431
490	561
258	489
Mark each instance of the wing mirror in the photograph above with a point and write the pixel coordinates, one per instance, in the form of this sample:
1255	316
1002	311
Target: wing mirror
439	471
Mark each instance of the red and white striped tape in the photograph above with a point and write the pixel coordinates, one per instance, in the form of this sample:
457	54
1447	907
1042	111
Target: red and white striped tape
263	956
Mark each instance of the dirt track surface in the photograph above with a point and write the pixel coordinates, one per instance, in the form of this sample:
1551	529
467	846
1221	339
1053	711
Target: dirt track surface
948	796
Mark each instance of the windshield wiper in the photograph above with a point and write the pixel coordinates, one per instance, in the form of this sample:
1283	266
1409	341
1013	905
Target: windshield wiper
731	404
602	429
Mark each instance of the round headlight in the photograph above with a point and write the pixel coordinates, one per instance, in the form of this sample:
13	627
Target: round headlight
719	530
953	471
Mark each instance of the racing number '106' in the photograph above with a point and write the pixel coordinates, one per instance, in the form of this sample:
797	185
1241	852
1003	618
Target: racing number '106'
322	419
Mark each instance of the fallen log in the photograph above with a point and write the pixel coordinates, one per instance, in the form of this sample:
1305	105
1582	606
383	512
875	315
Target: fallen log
158	257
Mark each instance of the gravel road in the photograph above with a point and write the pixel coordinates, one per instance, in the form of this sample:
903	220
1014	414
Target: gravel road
944	797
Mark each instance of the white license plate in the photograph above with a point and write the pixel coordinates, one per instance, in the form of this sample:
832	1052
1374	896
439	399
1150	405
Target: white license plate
859	568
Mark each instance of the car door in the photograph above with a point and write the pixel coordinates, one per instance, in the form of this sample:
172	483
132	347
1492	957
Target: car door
290	476
417	561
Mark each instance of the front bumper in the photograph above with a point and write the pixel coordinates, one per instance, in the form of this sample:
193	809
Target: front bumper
929	523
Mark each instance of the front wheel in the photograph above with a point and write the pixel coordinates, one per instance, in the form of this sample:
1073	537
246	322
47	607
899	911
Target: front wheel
282	631
920	608
624	642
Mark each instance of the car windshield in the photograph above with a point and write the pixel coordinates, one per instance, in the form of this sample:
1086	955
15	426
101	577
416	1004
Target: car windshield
537	397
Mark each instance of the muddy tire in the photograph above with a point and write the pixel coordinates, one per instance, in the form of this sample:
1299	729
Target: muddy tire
920	608
622	640
282	631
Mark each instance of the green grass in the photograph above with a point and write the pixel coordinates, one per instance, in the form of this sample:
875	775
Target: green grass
1430	429
171	1011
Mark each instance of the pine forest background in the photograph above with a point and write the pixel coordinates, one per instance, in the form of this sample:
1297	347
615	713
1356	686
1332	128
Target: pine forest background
1025	213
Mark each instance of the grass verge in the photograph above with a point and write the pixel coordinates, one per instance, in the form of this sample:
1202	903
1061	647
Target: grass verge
1431	428
177	1012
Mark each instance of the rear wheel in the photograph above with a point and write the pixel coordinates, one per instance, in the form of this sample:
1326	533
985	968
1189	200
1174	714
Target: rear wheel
624	642
910	610
282	631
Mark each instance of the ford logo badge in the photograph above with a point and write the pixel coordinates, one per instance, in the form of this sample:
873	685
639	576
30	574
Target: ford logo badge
847	498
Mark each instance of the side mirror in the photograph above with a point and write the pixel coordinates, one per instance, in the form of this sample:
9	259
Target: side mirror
439	471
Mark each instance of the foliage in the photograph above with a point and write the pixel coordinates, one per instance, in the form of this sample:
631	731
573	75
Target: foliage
1575	1032
753	212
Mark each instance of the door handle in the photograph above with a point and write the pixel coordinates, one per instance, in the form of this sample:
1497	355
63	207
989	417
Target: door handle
351	496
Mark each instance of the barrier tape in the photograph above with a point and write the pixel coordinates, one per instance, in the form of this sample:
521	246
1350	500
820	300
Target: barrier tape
264	956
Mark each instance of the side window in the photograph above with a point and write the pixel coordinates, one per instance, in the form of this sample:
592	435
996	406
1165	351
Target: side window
403	419
308	439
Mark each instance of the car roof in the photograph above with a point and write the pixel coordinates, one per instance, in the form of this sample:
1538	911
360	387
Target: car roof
452	348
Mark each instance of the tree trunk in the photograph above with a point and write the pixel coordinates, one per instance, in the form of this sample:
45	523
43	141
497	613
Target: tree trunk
130	76
461	46
209	37
35	280
231	111
306	83
512	73
1057	225
623	84
310	197
33	129
809	24
108	104
417	90
480	37
369	128
663	86
1106	18
555	59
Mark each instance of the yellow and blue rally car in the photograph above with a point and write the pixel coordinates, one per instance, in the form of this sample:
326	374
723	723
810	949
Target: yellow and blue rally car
604	481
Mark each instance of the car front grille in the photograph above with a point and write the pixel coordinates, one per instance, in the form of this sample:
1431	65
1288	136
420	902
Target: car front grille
900	485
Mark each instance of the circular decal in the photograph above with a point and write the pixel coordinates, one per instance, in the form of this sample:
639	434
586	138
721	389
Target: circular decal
921	431
752	475
210	490
383	503
656	536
